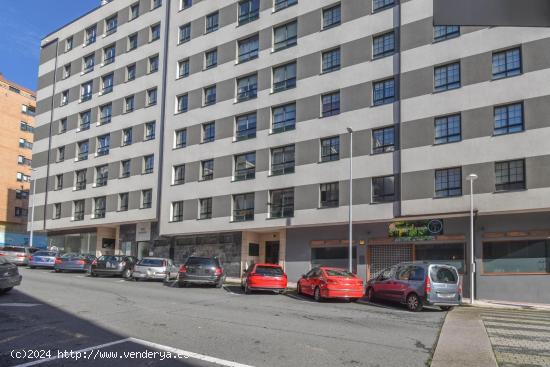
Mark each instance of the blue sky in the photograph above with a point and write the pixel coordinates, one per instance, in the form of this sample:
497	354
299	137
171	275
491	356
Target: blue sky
23	23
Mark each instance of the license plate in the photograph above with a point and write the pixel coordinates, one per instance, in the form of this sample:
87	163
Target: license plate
110	266
446	295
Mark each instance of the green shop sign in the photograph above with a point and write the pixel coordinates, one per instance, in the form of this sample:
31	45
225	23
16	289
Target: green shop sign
424	230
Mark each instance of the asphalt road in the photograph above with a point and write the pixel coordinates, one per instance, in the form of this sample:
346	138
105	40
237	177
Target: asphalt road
71	312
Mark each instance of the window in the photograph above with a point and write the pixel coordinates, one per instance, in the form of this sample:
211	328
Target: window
281	203
383	189
91	34
149	131
331	16
210	95
243	207
80	182
447	129
210	59
330	104
249	48
154	64
86	92
69	44
529	257
134	11
179	175
148	164
105	113
152	97
183	68
245	127
282	160
177	211
129	104
57	211
23	126
111	25
103	143
445	32
125	168
212	22
21	177
447	77
109	55
383	140
253	249
64	98
185	4
146	198
448	182
61	154
284	77
58	182
123	202
28	110
127	137
245	166
205	208
284	118
381	4
182	103
384	92
507	63
102	175
66	71
207	170
330	149
85	118
155	32
249	10
285	36
62	125
508	119
82	148
329	195
78	210
331	60
282	4
24	161
156	4
21	212
185	33
510	175
131	72
24	143
383	45
247	88
107	84
180	138
208	132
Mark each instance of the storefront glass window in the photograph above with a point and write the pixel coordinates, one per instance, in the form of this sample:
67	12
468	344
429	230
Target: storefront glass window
516	257
443	253
80	243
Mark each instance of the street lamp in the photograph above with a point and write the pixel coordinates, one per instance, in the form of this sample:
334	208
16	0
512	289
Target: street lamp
472	177
31	236
350	237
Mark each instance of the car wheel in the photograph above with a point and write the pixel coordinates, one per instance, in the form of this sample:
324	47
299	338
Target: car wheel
447	308
5	290
317	295
93	275
414	303
370	295
126	274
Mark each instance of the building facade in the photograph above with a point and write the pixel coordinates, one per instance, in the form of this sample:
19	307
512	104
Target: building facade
255	101
17	109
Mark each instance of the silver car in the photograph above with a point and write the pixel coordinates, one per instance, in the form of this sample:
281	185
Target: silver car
418	284
43	259
18	255
155	268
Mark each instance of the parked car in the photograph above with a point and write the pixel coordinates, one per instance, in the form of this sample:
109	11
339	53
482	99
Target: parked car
201	270
114	265
9	275
18	255
325	282
418	284
155	268
264	277
43	259
74	262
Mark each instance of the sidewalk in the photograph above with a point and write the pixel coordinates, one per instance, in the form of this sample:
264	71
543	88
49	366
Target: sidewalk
506	304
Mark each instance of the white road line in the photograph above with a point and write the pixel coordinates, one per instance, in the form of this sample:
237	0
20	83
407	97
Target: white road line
19	304
200	357
40	361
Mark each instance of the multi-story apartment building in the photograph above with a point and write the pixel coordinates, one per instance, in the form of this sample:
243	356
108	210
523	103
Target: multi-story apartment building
257	101
17	109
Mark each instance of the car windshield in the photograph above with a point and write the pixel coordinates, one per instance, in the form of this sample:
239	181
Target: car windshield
45	253
110	258
69	255
443	274
12	249
152	262
273	271
338	273
201	261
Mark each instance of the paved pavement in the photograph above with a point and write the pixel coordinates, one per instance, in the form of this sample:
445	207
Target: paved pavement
55	312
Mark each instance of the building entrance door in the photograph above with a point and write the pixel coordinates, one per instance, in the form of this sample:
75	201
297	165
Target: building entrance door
272	252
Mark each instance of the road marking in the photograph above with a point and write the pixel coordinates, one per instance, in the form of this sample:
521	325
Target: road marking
19	304
200	357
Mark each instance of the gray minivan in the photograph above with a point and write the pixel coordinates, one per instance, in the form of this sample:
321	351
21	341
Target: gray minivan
417	284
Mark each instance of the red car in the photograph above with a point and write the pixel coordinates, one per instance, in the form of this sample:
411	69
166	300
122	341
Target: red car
264	277
324	282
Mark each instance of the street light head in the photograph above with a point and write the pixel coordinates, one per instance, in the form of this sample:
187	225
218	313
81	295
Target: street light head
472	177
350	130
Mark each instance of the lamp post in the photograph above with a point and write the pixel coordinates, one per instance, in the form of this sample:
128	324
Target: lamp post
350	236
31	236
472	177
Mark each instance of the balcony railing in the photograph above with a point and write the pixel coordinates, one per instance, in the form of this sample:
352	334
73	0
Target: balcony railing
243	215
245	174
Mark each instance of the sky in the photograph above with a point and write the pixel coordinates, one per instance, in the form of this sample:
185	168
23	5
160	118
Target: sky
23	24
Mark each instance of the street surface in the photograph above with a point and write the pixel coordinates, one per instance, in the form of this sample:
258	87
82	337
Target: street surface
71	312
